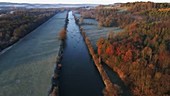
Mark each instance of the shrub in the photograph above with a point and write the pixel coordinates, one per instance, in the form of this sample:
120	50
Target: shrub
62	34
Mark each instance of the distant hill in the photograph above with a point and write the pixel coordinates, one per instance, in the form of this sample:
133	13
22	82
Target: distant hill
28	5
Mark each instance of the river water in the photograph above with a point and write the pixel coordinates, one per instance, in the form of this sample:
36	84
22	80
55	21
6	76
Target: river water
79	76
115	79
27	67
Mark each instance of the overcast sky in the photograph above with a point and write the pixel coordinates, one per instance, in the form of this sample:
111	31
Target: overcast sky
77	1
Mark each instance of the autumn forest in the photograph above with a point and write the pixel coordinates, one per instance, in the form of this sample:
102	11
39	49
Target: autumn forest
120	49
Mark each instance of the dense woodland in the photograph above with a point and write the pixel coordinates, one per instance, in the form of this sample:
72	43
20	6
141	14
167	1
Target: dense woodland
20	22
142	51
140	54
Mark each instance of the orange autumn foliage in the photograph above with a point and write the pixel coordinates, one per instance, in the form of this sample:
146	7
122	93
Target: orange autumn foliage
109	50
128	56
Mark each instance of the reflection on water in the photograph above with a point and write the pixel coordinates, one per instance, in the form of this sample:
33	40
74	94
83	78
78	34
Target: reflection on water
115	79
79	76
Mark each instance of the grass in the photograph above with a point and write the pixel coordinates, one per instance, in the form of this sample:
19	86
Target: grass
94	33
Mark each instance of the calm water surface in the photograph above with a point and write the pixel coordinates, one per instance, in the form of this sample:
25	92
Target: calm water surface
79	76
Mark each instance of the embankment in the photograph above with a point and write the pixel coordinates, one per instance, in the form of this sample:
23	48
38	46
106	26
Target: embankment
110	88
54	90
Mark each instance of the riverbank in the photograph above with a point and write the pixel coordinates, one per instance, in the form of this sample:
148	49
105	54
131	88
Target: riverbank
110	89
25	69
78	76
16	30
54	90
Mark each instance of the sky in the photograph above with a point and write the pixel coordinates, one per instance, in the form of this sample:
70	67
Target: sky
78	1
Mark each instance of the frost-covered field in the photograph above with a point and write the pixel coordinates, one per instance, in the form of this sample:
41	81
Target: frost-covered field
78	15
26	68
93	32
90	21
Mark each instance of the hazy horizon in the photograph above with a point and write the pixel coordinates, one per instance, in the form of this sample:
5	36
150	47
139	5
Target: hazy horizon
77	1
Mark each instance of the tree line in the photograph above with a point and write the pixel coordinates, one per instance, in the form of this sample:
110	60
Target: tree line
21	22
141	52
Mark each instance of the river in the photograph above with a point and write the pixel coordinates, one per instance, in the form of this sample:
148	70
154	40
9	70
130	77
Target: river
26	68
115	79
79	76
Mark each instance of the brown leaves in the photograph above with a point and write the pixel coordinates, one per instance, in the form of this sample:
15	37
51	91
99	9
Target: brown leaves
128	56
109	50
62	34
